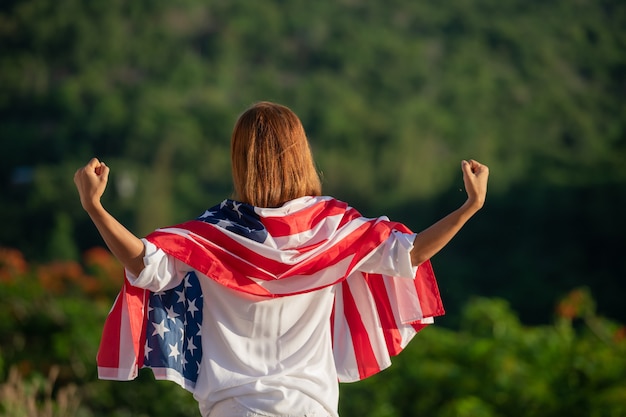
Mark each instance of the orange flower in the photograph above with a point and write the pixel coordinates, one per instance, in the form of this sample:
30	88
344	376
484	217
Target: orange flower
106	269
578	303
55	275
12	264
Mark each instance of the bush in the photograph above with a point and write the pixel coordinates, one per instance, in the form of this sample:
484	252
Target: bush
496	367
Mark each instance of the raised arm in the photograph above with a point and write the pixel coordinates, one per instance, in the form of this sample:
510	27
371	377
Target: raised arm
433	239
91	181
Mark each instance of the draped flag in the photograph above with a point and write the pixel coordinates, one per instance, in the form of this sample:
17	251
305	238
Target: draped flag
307	244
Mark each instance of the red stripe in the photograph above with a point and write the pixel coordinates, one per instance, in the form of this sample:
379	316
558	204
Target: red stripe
109	351
223	243
348	216
365	358
304	219
359	243
418	326
393	338
220	239
428	291
213	263
137	302
200	254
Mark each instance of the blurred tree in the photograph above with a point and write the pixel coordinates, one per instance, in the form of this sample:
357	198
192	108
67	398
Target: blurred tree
392	95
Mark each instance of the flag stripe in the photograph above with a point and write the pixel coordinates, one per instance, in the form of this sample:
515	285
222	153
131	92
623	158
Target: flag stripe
212	262
367	363
389	326
304	219
110	358
308	217
428	291
121	356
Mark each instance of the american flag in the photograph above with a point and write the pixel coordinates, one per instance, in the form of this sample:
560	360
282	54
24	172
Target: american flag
158	330
173	347
307	244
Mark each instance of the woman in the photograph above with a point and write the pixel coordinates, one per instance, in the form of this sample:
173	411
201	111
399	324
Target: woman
261	304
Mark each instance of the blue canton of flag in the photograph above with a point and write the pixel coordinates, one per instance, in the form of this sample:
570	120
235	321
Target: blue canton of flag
173	336
238	218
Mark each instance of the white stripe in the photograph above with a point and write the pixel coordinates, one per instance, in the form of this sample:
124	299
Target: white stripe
320	232
127	351
117	374
366	305
394	292
202	242
170	374
404	299
291	206
303	283
127	363
343	348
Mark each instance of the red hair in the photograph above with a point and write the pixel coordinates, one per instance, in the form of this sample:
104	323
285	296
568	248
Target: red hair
271	157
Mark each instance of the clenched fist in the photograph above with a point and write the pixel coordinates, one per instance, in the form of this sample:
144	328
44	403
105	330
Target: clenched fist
91	181
475	176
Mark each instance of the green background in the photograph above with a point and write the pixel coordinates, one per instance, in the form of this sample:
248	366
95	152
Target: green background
393	95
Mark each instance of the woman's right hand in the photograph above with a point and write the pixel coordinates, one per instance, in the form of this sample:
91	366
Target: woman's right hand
475	177
91	181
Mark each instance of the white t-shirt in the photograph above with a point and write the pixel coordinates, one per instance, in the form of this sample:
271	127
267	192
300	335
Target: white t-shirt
271	355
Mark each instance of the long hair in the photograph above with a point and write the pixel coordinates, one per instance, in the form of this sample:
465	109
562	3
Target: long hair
271	158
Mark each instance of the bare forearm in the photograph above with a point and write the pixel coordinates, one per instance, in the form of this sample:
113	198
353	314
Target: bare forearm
433	239
91	181
430	241
124	245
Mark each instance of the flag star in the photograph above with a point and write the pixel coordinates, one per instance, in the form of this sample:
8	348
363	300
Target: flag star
171	314
183	361
190	346
223	204
207	213
181	296
187	283
236	209
191	308
160	294
160	329
147	349
224	223
174	351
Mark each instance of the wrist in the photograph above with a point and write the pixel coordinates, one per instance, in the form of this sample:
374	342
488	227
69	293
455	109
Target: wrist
472	206
93	207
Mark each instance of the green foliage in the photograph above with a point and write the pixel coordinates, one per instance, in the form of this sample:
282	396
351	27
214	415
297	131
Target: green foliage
496	367
393	95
